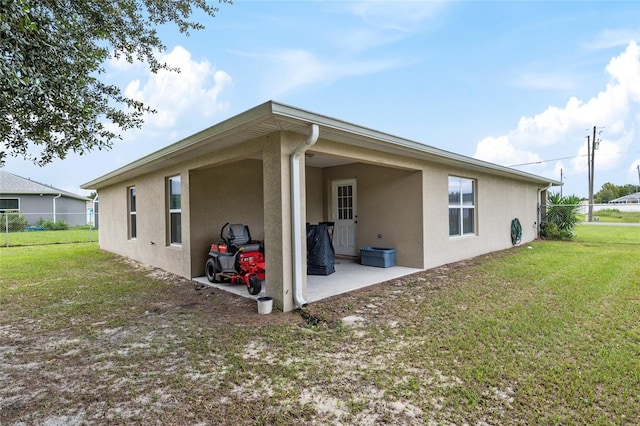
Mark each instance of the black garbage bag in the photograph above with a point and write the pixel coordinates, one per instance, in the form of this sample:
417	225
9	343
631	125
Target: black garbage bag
320	253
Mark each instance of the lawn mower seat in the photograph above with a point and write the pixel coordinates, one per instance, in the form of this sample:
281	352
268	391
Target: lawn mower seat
240	238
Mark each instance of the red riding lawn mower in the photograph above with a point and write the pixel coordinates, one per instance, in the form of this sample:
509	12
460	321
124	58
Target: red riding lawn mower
237	259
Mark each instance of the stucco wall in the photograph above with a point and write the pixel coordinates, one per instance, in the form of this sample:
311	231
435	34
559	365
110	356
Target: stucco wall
389	204
152	207
314	195
231	192
498	201
405	200
151	245
408	207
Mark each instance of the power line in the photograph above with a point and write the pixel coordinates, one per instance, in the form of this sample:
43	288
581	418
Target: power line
547	161
562	158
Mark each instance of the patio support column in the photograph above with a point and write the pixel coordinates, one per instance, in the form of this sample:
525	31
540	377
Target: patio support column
277	221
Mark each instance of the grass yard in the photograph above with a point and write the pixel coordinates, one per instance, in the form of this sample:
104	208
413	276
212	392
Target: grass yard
547	333
78	234
613	216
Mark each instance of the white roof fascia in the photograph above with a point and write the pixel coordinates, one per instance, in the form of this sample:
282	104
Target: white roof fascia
413	148
234	123
272	109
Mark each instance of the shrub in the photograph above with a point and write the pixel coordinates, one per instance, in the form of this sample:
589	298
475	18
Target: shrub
50	225
562	217
16	221
610	213
551	231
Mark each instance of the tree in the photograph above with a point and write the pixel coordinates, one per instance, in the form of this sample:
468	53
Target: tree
607	193
610	192
52	53
627	189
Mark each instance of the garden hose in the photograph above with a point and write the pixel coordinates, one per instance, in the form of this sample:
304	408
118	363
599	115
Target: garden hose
516	231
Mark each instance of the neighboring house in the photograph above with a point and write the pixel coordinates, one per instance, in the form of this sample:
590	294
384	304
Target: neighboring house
277	167
37	201
627	199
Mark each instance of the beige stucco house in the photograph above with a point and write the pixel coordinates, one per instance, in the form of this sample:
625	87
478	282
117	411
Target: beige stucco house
277	167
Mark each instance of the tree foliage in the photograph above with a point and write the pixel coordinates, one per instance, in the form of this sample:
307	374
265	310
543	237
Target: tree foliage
52	55
610	192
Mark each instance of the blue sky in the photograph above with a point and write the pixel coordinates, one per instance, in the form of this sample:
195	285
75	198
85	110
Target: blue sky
507	82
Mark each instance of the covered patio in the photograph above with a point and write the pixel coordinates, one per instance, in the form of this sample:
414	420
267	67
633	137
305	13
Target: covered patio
349	276
249	189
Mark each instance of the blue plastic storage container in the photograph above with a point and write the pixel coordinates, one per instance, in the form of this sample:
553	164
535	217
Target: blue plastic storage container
381	257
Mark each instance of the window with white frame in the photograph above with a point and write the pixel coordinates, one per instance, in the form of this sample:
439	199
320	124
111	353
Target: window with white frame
133	224
462	205
175	210
9	204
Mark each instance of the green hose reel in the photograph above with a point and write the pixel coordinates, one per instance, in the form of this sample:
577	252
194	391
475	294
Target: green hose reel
516	231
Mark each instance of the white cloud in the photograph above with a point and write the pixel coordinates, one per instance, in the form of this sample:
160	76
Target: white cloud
614	38
625	69
289	70
360	39
608	155
194	91
380	23
563	129
403	16
500	151
120	64
545	81
580	162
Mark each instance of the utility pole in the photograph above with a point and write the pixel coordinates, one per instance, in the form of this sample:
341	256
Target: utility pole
589	207
594	145
638	169
561	182
593	153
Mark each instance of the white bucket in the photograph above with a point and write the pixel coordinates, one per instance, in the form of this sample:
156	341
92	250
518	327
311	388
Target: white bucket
265	304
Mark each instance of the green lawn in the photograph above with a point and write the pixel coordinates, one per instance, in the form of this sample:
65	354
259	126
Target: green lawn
72	235
544	333
614	216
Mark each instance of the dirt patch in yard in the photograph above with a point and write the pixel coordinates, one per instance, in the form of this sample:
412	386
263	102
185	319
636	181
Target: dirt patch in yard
220	306
181	355
141	346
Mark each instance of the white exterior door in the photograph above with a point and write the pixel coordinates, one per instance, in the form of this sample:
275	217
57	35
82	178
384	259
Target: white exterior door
344	214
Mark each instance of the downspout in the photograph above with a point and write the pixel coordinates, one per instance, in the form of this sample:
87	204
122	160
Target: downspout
296	214
540	207
54	206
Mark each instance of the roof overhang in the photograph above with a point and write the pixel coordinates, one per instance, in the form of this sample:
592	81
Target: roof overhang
272	116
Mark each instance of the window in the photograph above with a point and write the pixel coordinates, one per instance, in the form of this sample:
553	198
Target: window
133	226
345	202
175	211
9	204
462	203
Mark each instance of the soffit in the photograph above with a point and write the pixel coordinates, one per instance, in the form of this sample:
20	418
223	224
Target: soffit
272	117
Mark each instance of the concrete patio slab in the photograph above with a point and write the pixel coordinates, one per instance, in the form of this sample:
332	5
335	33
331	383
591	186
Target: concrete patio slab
349	276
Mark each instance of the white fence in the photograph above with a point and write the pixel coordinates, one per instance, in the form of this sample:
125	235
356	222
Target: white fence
626	208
